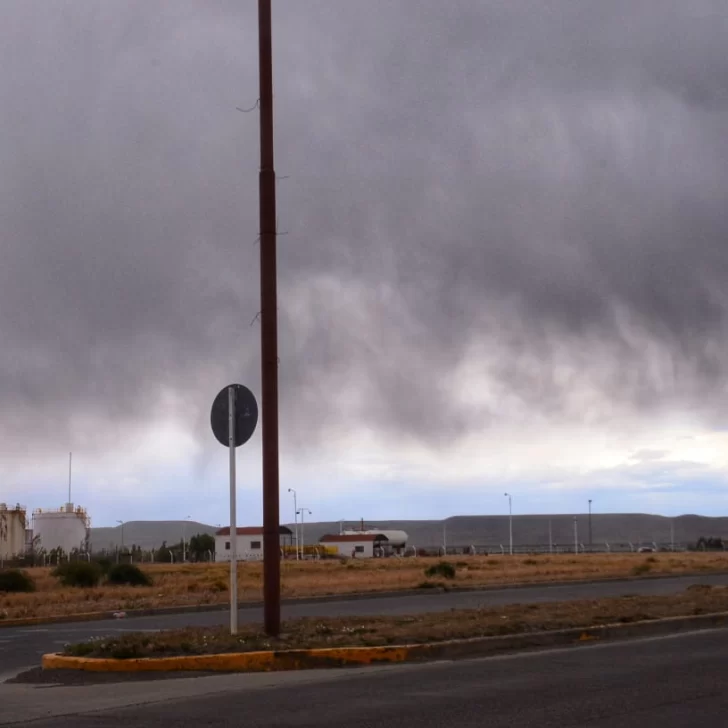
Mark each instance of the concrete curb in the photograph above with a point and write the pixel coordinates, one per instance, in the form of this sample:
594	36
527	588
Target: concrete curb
353	597
270	661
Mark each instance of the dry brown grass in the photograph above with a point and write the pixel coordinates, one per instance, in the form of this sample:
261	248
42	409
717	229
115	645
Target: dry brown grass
197	584
371	631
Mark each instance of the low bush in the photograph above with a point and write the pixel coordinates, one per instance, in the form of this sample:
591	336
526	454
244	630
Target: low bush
442	568
640	569
128	574
15	580
82	574
105	563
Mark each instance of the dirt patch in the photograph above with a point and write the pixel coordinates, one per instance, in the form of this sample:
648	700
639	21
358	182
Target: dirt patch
182	585
415	629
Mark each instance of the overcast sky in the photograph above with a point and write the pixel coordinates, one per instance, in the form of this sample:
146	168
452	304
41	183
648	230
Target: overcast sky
503	268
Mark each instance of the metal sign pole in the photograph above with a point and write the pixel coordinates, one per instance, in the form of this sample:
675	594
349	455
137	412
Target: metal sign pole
233	520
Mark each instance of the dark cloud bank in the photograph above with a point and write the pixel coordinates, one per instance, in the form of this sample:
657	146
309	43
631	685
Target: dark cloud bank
547	178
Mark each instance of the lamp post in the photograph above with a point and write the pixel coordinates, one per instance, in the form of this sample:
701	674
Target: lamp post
551	540
121	523
510	523
302	512
590	526
295	518
184	539
576	536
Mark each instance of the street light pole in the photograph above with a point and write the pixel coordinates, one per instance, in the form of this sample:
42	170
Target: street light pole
551	540
295	518
122	540
184	539
590	526
303	511
576	537
510	523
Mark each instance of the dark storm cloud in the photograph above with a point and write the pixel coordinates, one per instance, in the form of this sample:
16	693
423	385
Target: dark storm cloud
548	177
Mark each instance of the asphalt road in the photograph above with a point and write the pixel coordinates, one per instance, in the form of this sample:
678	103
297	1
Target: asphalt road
673	682
21	647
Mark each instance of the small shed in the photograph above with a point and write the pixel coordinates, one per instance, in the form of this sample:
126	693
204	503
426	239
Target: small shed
357	545
249	542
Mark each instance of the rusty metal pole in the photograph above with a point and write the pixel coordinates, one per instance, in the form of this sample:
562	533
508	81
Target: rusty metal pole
269	330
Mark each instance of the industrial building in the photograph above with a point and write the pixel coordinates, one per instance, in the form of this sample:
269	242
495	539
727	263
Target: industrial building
66	529
12	531
249	543
366	544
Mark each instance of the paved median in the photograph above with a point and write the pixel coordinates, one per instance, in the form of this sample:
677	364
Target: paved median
271	660
315	642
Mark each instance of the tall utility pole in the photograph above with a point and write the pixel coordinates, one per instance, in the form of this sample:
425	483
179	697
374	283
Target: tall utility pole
269	329
184	539
302	512
576	536
590	528
510	523
551	540
121	523
295	518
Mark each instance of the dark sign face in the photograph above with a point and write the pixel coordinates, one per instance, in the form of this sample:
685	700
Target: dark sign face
246	415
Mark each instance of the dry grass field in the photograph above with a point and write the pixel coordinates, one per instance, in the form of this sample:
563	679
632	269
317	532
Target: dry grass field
194	584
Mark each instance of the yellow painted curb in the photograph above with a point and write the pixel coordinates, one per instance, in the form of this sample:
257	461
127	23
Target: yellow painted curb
307	659
236	662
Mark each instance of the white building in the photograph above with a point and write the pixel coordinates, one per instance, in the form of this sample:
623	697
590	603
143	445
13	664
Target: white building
358	545
249	542
12	531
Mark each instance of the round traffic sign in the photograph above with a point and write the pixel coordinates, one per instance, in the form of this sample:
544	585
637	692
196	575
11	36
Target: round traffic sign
246	415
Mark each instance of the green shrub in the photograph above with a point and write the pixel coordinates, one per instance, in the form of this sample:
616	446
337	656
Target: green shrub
442	568
105	564
15	580
128	574
78	573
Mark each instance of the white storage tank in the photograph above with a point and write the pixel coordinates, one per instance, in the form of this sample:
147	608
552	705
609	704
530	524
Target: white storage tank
12	531
396	539
66	528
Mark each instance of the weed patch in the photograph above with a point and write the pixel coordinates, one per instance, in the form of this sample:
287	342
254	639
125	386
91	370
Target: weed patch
443	568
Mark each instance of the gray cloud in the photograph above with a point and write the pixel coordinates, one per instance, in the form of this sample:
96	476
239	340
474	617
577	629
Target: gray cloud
546	177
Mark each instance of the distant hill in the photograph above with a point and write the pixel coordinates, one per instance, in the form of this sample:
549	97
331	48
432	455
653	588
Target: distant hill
147	534
461	530
611	528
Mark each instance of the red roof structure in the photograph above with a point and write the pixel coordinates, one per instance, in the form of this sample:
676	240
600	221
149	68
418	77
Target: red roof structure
252	531
352	538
